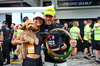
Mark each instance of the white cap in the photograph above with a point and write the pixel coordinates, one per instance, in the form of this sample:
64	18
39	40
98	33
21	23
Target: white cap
38	14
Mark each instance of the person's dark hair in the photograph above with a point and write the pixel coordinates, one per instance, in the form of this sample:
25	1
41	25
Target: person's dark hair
13	23
66	23
25	18
56	20
20	24
98	18
85	20
42	28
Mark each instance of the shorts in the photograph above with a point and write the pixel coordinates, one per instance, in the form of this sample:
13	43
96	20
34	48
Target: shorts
32	62
97	45
77	43
86	44
55	64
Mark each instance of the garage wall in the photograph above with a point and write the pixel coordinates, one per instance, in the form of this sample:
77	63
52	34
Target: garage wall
2	18
77	13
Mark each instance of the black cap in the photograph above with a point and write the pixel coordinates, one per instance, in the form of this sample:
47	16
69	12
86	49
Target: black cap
98	18
5	22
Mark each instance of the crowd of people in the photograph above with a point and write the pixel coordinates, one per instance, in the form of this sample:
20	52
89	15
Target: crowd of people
10	39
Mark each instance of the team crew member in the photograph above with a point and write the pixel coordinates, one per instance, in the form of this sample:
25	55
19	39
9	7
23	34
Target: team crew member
17	31
85	22
33	59
75	33
15	35
66	27
13	47
97	38
55	39
57	23
87	39
5	32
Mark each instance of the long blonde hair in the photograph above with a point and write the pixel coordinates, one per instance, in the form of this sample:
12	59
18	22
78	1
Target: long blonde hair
76	23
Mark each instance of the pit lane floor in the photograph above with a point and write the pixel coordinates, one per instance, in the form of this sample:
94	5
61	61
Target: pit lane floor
80	62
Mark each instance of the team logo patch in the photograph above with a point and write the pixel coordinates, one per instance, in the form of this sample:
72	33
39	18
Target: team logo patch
46	29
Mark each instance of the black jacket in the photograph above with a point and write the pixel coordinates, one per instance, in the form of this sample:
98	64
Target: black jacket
55	40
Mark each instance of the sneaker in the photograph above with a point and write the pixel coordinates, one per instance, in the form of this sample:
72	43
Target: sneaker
75	59
8	64
86	58
99	58
92	57
72	56
4	62
89	54
97	61
14	59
